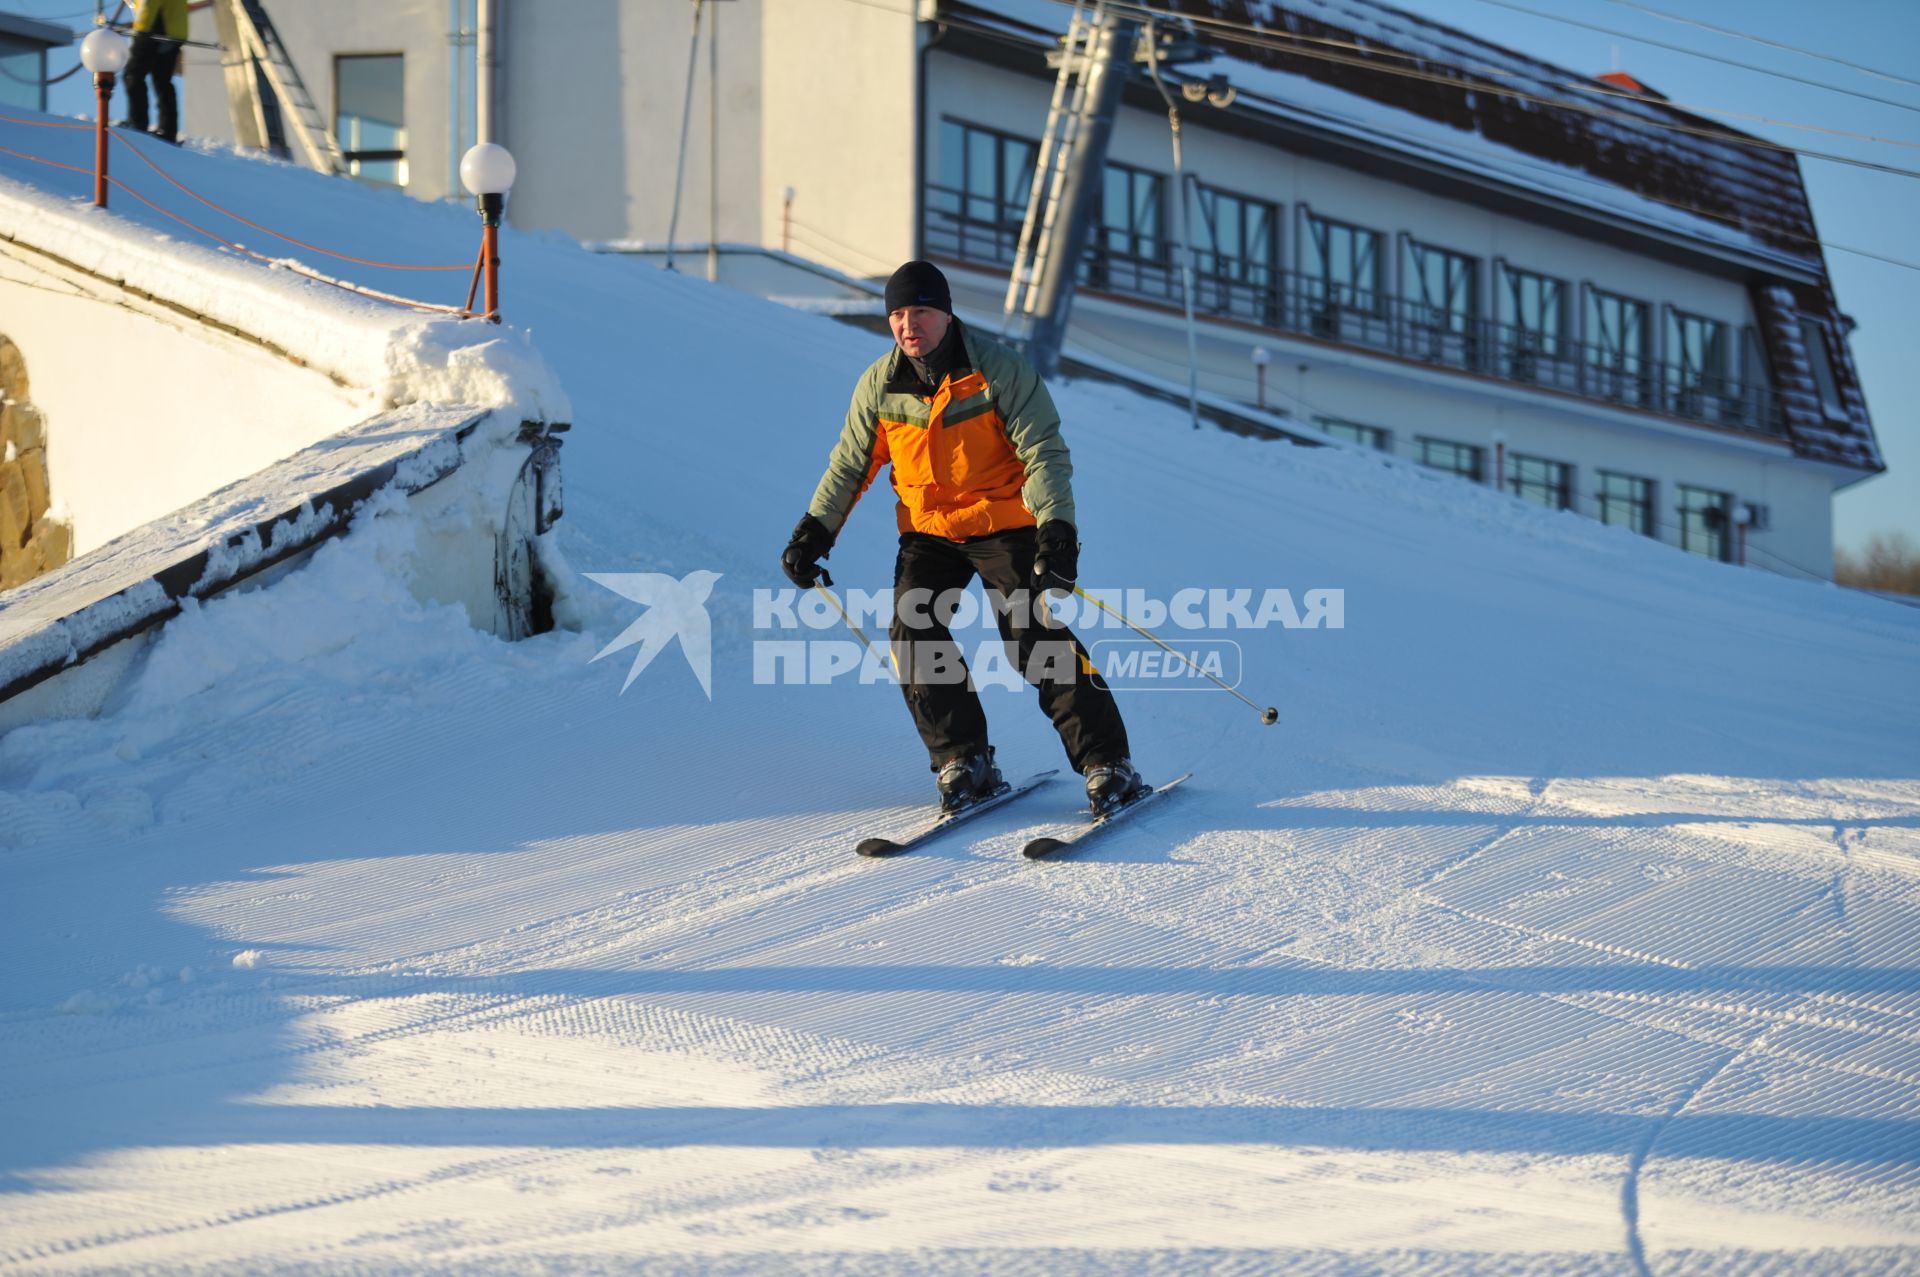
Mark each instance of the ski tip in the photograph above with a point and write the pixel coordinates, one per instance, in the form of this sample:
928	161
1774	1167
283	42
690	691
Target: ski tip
1042	847
877	847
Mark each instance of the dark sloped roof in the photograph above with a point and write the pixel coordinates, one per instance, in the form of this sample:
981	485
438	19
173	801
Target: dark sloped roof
1688	169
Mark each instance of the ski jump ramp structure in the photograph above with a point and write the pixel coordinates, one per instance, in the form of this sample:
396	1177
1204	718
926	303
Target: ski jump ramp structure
207	420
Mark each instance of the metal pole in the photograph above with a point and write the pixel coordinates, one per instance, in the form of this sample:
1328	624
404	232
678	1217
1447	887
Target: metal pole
1111	53
486	50
103	99
1269	716
686	117
491	207
1185	250
713	149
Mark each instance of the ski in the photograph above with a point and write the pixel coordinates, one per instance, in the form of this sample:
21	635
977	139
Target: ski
947	820
1041	847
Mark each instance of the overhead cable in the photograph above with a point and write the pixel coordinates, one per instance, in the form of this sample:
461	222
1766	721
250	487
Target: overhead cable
1286	44
1771	44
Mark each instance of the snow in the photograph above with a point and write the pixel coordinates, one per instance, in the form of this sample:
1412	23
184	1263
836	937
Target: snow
1286	95
1566	924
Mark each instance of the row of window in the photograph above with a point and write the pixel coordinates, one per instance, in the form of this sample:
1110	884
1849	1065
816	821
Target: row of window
1340	288
1621	499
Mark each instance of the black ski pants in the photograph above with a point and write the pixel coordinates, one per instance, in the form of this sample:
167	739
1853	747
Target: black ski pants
153	57
933	674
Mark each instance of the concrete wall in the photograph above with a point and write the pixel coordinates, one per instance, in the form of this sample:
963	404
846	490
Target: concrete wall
145	413
593	94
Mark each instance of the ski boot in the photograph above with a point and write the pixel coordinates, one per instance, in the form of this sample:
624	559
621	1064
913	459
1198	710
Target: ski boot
968	780
1111	786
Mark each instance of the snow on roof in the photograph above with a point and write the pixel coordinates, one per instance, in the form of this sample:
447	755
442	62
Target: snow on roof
1365	71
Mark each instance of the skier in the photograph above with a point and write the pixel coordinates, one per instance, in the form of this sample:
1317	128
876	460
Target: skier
159	26
984	484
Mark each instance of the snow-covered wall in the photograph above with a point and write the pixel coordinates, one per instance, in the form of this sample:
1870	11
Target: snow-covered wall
147	411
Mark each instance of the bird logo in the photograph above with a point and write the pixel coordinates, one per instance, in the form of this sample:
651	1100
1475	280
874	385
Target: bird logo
675	609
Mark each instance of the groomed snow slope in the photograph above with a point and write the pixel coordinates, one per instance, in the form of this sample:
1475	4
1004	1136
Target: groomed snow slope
1565	924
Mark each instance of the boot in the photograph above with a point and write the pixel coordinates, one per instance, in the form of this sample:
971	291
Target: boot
968	780
1111	784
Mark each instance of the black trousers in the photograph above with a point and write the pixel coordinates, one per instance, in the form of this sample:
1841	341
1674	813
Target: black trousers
153	57
933	673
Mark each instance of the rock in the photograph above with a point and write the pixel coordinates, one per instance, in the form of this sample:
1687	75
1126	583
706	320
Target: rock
14	519
13	371
54	537
22	425
33	469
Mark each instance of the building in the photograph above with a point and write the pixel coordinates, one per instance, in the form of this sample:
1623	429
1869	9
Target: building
24	43
1445	249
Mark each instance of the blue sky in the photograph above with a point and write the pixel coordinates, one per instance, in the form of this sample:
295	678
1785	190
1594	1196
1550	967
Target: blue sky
1873	211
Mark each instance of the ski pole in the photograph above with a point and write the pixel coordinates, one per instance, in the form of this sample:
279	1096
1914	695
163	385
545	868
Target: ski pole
1268	716
858	633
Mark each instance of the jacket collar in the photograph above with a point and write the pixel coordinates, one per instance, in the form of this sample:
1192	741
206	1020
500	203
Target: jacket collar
902	378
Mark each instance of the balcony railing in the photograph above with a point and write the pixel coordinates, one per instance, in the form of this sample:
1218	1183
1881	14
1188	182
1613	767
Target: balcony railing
1288	301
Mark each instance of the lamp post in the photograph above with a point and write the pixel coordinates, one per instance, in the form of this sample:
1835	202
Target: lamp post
1500	459
1742	518
1261	358
786	220
103	52
488	170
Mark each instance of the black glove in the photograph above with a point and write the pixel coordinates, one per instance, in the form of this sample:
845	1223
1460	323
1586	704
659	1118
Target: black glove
1056	562
811	542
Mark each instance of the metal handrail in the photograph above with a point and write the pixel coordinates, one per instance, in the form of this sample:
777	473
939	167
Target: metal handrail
1373	319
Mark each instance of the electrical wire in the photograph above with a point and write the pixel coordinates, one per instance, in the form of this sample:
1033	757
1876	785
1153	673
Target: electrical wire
1710	57
1562	172
1584	86
265	230
51	80
1257	38
817	236
293	267
1771	44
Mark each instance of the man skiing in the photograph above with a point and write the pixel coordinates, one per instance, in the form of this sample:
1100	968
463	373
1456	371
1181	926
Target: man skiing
984	487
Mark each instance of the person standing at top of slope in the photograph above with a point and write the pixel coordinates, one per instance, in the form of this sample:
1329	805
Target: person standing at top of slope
984	483
158	28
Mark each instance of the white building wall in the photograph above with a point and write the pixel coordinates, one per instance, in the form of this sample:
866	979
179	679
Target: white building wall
592	97
841	87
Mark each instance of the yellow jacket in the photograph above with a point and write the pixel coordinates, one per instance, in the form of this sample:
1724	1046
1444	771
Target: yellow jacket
162	17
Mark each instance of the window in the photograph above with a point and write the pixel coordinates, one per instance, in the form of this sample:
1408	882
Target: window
980	201
1340	266
1371	436
1130	245
1617	354
1626	502
23	70
1533	321
1704	516
1813	335
369	116
1696	365
1234	245
1455	458
1440	287
1543	482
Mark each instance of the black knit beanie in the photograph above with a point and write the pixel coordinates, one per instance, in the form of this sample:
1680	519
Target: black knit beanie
919	284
